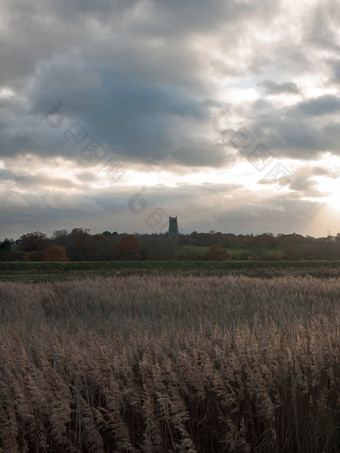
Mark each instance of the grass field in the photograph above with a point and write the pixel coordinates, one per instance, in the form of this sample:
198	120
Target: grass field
42	271
171	363
199	252
159	265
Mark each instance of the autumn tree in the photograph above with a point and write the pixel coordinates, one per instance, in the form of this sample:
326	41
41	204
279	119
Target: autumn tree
128	248
99	237
32	241
55	253
217	253
5	249
60	237
81	247
216	239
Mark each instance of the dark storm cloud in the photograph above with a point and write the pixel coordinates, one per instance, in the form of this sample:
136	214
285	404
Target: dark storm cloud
323	105
303	131
139	119
124	70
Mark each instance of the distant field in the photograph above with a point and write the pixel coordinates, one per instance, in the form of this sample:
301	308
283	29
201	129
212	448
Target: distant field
171	265
165	363
199	252
42	271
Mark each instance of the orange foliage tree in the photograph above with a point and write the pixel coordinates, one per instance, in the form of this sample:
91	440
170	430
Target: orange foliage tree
217	253
127	248
55	253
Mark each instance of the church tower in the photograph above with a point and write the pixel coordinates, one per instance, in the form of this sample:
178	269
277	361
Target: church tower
173	227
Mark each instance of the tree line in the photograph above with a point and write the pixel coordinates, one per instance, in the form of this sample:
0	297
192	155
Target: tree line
81	245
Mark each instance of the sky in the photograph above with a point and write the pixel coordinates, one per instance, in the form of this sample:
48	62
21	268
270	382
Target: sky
115	114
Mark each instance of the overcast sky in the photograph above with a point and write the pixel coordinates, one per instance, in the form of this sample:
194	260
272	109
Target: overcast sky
115	114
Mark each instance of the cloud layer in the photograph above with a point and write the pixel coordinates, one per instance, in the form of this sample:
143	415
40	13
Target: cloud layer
143	80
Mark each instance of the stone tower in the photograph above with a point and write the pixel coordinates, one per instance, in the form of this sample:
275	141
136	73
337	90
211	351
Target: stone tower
173	227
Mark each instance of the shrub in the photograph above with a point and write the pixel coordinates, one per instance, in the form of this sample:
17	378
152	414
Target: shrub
274	257
217	253
55	253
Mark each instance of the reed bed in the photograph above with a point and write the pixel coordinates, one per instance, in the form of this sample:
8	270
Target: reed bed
170	364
